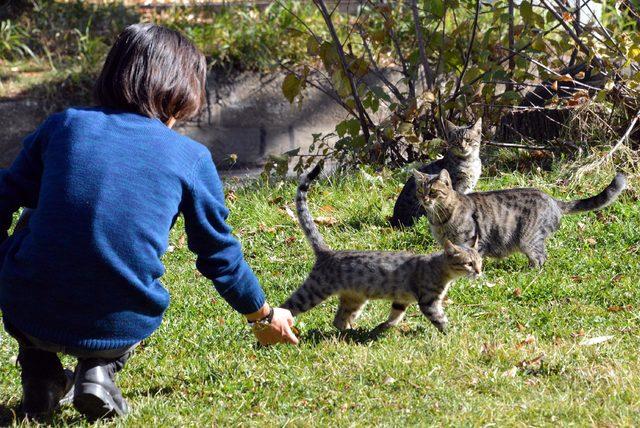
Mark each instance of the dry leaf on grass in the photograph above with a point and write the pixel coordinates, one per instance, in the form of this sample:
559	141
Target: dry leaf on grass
580	333
527	341
591	242
517	292
326	221
510	373
532	362
290	213
327	209
290	240
617	278
489	349
389	380
618	308
595	340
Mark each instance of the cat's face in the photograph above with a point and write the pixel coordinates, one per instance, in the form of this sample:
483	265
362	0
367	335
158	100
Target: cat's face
433	190
464	140
463	260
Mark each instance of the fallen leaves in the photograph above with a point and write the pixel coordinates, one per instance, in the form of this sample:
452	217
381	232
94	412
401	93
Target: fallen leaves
532	363
527	341
512	372
290	213
619	308
326	221
595	340
290	240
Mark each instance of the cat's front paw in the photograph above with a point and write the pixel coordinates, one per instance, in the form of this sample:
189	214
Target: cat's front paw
342	325
441	325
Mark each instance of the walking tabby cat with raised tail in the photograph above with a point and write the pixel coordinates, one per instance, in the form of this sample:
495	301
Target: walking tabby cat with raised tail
502	221
357	276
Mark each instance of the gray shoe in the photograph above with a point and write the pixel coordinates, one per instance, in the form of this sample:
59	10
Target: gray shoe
96	395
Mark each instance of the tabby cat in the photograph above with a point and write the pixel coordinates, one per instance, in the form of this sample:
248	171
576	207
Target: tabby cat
502	221
357	276
462	160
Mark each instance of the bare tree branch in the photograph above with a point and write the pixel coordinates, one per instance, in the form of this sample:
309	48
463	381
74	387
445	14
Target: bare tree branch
376	70
362	114
429	77
571	33
456	91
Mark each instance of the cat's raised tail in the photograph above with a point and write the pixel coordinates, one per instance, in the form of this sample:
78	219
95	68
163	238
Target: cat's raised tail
601	200
304	216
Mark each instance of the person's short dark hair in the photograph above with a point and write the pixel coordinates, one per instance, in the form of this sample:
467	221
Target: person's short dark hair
154	71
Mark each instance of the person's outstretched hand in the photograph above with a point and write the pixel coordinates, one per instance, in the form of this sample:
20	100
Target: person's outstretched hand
278	331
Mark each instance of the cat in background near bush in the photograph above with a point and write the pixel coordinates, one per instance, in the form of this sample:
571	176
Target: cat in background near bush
462	161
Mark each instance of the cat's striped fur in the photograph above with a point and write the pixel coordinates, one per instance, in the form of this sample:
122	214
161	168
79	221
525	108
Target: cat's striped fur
357	276
461	160
502	221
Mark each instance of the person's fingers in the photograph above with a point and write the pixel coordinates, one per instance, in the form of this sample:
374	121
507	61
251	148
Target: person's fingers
289	336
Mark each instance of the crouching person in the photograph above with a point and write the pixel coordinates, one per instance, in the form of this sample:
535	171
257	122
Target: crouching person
105	185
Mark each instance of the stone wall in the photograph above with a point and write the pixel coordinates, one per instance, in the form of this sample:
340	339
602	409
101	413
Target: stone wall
248	116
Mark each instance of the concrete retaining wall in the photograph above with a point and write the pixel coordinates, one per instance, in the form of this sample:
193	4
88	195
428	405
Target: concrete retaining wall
248	116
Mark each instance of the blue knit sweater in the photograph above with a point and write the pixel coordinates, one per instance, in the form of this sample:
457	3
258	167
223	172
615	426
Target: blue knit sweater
107	186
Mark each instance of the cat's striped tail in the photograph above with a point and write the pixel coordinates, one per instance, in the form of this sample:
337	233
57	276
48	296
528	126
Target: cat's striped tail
304	216
601	200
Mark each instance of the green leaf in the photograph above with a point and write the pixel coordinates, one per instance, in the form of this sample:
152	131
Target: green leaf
313	47
436	7
380	93
291	87
472	74
341	84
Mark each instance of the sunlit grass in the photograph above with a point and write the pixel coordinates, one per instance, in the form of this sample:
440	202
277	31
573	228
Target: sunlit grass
513	355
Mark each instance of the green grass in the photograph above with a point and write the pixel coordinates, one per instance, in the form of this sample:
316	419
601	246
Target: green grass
202	366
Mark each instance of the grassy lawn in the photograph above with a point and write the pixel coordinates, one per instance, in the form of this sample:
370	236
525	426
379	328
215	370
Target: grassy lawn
515	355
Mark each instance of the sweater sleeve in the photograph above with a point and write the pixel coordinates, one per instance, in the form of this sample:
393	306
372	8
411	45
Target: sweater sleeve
219	253
20	183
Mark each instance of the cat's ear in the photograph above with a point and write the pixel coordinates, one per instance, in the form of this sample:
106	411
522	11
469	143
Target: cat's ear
449	127
444	177
449	248
420	177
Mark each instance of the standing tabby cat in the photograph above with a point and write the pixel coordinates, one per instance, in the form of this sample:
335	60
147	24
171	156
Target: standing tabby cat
502	221
462	160
357	276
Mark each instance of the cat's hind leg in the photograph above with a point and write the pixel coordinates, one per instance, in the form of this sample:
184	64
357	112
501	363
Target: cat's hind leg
398	310
349	310
310	294
536	252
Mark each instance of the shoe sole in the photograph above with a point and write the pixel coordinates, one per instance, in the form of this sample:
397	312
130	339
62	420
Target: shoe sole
94	402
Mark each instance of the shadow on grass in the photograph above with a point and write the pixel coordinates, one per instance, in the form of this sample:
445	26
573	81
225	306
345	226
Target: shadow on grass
11	415
152	391
8	415
358	335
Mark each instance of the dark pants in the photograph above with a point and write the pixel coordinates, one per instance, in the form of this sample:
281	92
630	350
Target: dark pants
28	342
